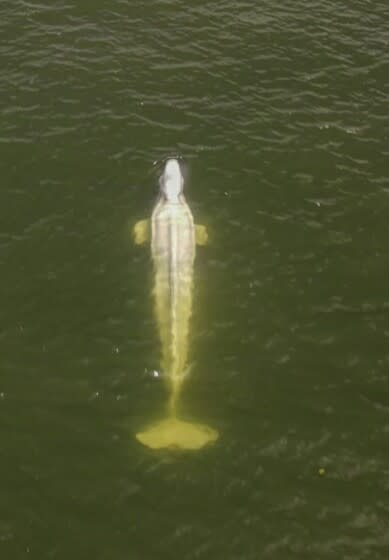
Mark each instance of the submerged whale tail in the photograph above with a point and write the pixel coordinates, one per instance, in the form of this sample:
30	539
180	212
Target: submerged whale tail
178	434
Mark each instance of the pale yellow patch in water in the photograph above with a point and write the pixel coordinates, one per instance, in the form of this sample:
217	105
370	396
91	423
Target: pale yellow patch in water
178	434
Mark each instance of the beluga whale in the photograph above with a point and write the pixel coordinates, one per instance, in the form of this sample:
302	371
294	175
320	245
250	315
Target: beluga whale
173	236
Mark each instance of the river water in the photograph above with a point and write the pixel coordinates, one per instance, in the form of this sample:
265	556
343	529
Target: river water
281	113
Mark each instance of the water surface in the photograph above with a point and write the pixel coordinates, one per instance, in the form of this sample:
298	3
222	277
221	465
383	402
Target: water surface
281	112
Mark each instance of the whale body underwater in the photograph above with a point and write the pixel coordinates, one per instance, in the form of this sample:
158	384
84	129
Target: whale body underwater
173	236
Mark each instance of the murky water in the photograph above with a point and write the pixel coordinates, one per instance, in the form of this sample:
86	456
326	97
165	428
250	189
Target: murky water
281	112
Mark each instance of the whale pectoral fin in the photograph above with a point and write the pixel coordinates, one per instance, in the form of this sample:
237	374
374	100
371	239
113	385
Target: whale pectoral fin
201	235
141	232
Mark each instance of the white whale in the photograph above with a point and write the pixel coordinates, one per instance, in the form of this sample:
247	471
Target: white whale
173	237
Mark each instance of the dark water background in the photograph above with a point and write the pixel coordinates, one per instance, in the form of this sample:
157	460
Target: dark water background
281	110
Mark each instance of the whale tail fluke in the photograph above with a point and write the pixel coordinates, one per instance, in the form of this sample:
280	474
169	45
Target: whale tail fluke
177	434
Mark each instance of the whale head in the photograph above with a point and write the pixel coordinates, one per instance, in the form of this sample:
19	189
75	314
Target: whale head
171	181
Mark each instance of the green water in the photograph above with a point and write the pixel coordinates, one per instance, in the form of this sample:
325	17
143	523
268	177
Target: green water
281	113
